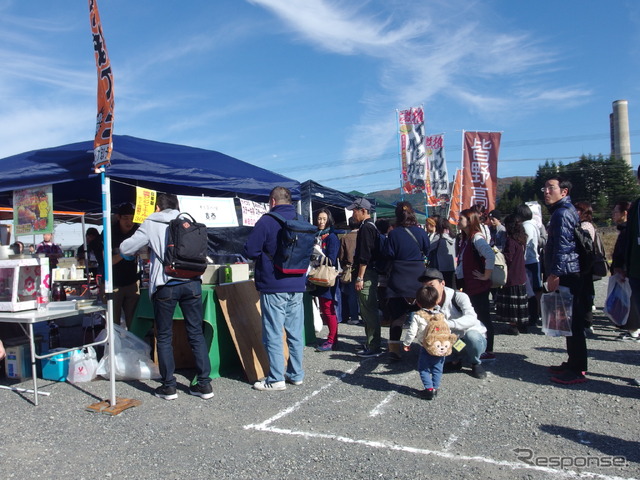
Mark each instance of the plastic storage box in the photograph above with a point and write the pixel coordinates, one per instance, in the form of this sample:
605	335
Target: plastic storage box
57	367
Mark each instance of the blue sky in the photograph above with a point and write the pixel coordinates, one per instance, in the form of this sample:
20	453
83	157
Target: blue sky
310	88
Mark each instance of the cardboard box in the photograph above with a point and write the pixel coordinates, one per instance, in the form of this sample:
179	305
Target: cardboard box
210	275
57	367
18	362
239	272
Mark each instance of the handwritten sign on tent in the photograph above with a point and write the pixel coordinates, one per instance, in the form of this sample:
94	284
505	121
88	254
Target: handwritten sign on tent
145	204
213	212
252	211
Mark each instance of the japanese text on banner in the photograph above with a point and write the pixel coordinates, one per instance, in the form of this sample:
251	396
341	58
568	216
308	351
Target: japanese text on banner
438	187
213	212
145	204
102	143
412	149
479	185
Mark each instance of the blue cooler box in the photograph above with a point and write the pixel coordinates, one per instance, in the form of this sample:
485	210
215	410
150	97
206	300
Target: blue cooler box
57	367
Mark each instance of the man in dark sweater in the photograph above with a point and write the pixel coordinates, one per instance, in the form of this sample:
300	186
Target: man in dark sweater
126	291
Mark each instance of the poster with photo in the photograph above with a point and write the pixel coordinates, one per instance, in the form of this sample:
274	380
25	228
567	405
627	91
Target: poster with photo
33	211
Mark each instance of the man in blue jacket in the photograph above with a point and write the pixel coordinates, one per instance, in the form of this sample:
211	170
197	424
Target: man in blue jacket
563	269
280	297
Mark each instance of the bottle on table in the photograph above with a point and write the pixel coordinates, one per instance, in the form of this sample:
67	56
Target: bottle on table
54	336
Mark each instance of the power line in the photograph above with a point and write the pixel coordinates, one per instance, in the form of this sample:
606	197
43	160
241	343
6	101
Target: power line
395	169
458	148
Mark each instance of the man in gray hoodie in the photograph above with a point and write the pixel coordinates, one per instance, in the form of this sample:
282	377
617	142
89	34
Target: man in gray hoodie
165	293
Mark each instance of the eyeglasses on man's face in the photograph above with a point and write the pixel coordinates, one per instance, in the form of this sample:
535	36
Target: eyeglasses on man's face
549	189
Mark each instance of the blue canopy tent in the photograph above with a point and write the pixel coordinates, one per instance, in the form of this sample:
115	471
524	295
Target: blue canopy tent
159	166
135	161
315	196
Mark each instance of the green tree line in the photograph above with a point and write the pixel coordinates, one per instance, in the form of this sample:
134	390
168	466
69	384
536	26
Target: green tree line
601	181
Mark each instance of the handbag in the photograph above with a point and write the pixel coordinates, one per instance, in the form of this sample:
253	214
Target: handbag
499	273
324	275
347	274
433	256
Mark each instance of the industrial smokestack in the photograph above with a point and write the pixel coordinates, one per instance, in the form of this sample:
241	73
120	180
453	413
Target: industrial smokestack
619	122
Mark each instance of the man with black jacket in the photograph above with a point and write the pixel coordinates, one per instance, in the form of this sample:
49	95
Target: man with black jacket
366	282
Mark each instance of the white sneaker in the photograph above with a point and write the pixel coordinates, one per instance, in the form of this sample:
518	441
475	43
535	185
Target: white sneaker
263	385
292	382
626	336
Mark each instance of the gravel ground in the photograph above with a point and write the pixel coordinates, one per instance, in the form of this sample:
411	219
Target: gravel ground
351	419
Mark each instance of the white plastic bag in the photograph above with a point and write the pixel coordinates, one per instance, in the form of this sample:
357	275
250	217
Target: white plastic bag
82	366
557	310
317	318
132	358
618	303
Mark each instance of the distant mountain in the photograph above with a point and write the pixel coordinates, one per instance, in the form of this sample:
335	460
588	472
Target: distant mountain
393	196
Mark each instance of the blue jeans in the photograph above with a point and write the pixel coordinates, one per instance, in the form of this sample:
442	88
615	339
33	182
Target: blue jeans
475	345
283	310
430	369
189	296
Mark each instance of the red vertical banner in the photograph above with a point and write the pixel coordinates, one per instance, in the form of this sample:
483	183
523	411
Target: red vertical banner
454	206
412	150
480	169
103	143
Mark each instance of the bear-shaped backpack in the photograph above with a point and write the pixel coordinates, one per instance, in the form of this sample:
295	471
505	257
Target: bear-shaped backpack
438	338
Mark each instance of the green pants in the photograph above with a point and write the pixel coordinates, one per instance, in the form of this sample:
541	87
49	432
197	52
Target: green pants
368	302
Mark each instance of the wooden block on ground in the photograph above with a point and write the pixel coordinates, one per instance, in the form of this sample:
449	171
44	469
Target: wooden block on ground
121	405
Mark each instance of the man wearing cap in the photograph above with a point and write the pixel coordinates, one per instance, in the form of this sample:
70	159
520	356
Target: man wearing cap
463	321
126	291
366	282
498	231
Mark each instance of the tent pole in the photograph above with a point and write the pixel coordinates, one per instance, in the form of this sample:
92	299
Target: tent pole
108	283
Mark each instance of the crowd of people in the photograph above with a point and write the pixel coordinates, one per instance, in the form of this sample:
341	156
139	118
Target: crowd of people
400	274
392	264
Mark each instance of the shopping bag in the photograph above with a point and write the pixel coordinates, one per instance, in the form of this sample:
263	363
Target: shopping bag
83	365
618	303
324	275
317	318
557	308
132	358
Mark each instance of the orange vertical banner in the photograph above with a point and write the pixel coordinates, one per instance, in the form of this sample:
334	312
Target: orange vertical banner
480	169
454	206
103	143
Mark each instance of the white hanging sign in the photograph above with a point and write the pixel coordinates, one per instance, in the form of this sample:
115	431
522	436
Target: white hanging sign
213	212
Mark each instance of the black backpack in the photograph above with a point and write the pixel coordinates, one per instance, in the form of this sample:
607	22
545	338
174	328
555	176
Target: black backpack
585	249
295	244
186	252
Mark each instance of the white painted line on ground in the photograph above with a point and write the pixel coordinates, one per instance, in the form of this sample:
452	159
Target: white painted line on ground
453	438
446	455
265	427
297	405
378	408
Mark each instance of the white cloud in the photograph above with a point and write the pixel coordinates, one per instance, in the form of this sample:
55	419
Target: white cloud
441	55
